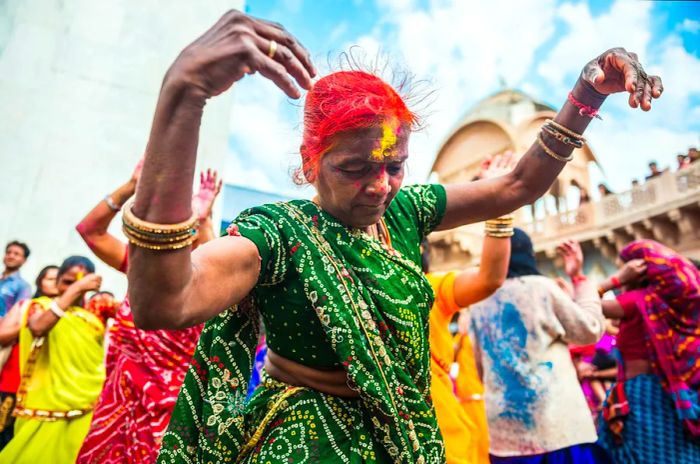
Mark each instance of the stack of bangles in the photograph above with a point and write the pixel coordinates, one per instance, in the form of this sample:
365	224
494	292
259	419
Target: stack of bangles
158	236
562	134
501	227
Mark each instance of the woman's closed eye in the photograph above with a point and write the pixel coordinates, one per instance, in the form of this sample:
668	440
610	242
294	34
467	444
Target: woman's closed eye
394	169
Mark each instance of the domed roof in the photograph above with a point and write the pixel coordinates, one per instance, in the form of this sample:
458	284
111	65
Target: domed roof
509	106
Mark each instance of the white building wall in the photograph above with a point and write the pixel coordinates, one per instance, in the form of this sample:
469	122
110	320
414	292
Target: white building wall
79	81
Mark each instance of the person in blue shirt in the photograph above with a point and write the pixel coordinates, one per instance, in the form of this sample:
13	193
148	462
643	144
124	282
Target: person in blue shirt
13	287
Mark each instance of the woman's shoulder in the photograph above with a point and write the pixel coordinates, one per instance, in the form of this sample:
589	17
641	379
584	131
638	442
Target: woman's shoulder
278	208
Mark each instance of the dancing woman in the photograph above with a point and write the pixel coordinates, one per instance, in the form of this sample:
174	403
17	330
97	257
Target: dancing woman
145	369
652	413
61	362
337	280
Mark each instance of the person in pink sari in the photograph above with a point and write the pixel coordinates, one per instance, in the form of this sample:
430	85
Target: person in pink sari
652	413
145	369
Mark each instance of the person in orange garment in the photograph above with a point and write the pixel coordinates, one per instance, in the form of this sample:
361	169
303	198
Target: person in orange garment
464	428
470	392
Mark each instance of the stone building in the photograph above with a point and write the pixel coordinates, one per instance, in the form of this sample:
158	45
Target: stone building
666	208
79	82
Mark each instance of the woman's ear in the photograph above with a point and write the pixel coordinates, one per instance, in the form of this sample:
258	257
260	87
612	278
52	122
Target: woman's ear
307	167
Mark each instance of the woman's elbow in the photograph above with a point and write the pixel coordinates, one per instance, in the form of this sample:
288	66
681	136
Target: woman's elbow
492	284
157	317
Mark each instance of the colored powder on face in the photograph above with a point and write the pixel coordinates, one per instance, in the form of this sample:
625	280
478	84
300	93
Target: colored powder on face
388	140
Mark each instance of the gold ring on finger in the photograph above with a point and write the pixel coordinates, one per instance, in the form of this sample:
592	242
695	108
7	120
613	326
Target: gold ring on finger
272	50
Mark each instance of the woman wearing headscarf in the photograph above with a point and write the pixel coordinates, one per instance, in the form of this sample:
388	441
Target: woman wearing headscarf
337	279
652	413
536	410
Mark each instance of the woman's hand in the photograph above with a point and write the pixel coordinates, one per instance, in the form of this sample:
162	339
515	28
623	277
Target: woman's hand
89	283
632	271
209	188
237	45
497	165
570	251
618	70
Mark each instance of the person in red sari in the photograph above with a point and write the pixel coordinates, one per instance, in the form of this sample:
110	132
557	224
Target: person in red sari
652	413
145	369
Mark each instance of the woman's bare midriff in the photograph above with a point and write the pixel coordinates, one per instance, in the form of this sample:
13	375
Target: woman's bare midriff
332	382
636	367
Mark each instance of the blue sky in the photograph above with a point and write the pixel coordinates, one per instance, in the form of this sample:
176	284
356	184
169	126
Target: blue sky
466	48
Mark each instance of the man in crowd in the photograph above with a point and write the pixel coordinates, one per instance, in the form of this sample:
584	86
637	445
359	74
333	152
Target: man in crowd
12	286
654	168
693	154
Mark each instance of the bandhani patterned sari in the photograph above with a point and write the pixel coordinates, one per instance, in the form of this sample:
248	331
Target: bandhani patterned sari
360	303
62	375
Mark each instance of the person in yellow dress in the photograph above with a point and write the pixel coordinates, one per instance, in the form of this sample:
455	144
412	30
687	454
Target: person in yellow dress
460	412
61	353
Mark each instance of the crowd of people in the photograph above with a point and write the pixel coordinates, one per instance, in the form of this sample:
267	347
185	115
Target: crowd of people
314	331
684	160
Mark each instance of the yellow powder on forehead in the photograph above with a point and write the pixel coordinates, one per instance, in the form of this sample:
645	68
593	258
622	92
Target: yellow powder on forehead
388	140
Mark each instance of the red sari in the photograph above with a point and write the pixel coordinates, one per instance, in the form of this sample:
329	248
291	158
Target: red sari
145	370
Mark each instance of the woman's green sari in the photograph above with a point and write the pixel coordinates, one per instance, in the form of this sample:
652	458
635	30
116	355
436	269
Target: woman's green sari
371	306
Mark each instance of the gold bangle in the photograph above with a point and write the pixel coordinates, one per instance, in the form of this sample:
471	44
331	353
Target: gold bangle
158	238
563	138
505	220
162	247
144	226
550	152
565	130
500	235
499	230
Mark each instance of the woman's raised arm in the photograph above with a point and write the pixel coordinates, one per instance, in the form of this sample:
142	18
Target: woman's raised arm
614	71
170	289
94	227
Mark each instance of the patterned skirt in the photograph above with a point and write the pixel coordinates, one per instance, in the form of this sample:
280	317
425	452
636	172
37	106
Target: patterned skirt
304	426
652	432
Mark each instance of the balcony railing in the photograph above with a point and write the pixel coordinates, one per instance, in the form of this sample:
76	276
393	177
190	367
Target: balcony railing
667	191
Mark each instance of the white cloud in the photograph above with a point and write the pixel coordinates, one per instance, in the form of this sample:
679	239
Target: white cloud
588	36
627	139
689	25
264	139
625	149
465	51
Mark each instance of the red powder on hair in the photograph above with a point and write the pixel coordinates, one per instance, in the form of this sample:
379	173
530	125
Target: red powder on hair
343	101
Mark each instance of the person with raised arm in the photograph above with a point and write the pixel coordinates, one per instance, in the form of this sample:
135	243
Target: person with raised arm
62	370
464	442
536	410
145	369
652	412
337	279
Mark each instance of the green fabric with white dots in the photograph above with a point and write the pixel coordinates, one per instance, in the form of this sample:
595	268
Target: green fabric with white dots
328	296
